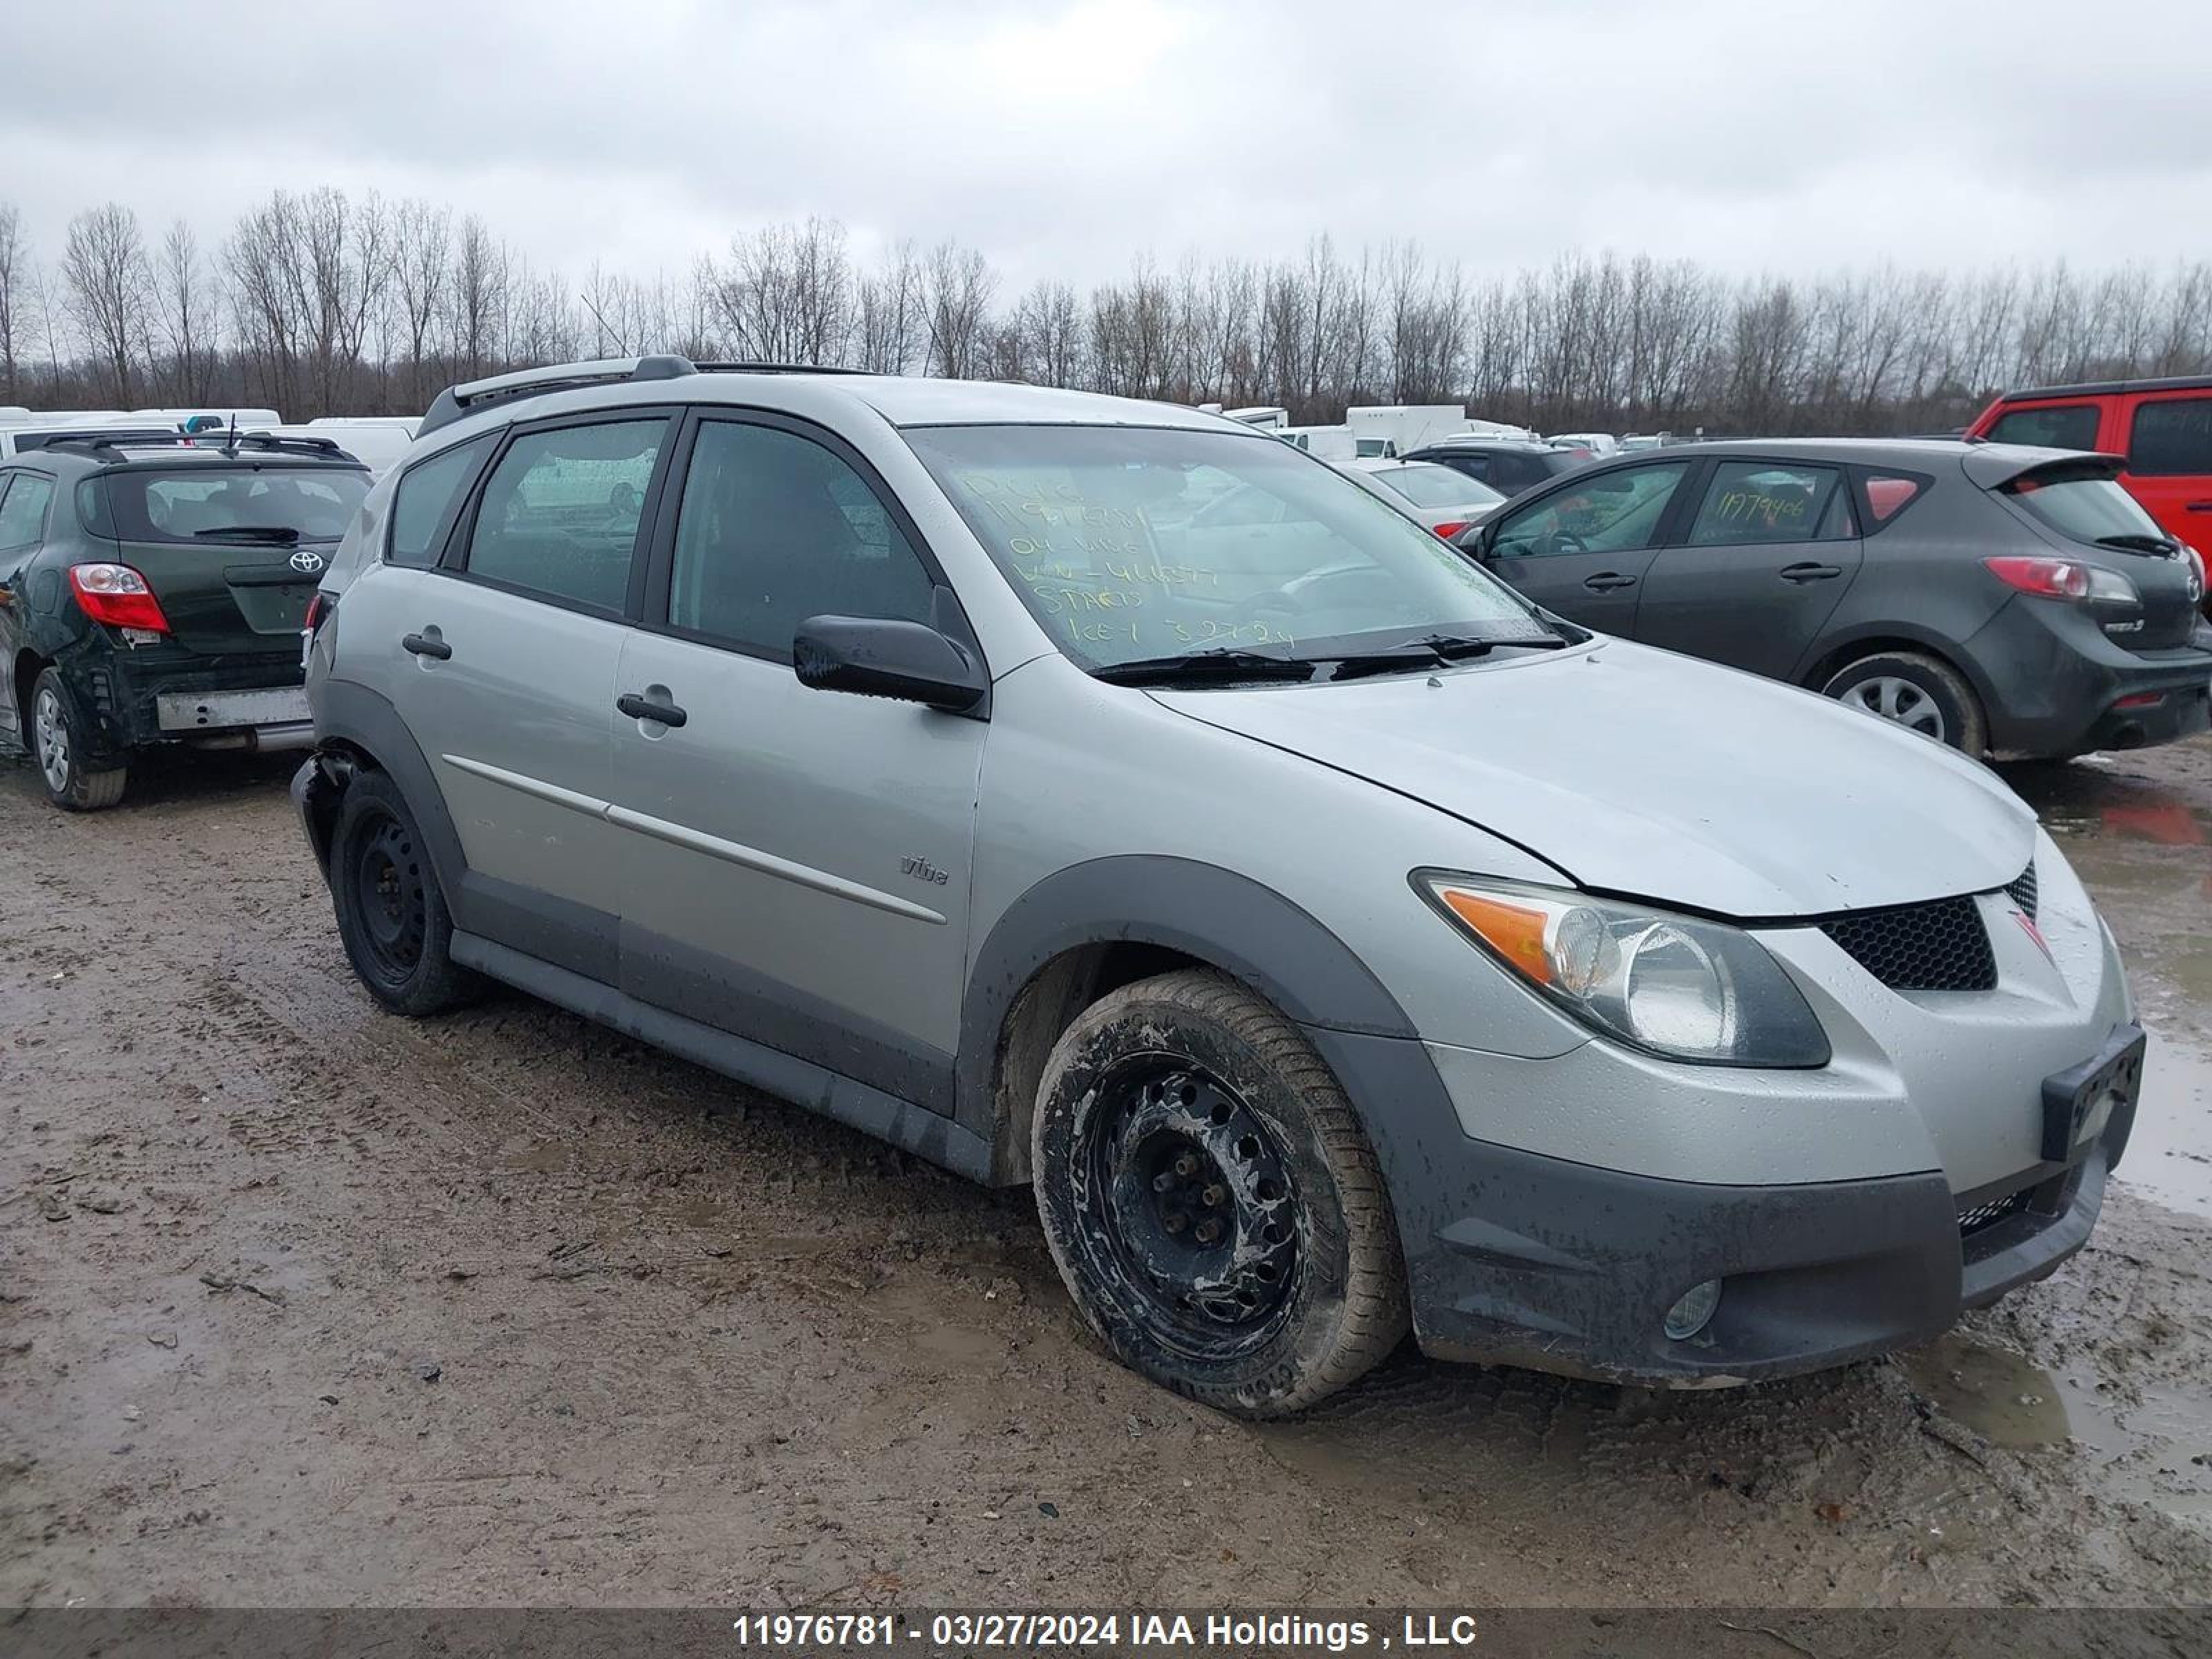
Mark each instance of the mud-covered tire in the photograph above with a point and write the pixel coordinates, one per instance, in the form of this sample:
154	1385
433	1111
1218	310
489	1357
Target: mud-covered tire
1946	707
56	746
391	913
1192	1065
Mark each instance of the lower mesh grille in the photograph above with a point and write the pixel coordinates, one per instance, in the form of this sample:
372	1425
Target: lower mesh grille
1940	946
1988	1215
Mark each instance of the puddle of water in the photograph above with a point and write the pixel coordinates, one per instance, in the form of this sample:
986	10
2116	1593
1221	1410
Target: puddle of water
1999	1395
2169	1159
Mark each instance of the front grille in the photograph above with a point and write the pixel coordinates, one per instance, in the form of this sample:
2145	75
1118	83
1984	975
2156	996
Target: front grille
2022	888
1988	1215
1940	946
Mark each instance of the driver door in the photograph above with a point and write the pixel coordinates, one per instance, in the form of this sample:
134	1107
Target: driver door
1582	550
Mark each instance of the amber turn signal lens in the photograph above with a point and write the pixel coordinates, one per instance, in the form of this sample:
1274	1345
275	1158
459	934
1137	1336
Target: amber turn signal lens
1514	931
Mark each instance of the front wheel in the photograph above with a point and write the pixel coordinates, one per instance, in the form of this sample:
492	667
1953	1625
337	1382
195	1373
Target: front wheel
57	746
1211	1200
1918	693
391	913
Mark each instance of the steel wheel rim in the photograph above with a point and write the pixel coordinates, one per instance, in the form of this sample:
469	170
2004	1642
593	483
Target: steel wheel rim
1888	697
52	732
391	899
1190	1205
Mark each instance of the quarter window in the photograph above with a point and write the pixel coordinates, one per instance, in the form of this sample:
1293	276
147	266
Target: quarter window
1760	502
1609	512
2172	438
561	510
425	501
23	511
2060	426
775	528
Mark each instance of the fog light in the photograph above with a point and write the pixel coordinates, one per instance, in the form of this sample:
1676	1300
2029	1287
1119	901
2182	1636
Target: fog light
1693	1312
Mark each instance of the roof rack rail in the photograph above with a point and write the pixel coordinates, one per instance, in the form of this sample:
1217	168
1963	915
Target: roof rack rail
99	444
456	401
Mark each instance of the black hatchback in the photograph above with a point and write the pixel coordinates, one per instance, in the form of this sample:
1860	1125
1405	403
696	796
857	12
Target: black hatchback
152	592
1994	597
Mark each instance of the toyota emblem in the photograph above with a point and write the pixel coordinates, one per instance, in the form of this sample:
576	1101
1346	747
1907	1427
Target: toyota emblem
307	562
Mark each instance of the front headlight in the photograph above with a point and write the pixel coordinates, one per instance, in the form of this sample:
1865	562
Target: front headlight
1673	986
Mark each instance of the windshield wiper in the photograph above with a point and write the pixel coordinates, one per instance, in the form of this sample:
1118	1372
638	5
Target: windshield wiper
1224	663
2134	542
1431	649
249	532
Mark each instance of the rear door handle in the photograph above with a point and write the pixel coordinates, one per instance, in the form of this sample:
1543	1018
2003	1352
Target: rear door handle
646	709
1606	580
428	645
1809	573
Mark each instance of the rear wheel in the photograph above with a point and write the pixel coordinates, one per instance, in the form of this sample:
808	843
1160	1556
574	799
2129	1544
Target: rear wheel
57	746
1211	1200
1918	693
391	913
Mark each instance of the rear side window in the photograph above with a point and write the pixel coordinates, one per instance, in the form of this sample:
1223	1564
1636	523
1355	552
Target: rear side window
561	510
23	511
1887	495
775	528
2058	426
426	499
1760	502
2172	438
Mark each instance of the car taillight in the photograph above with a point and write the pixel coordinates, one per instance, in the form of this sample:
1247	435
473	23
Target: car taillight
2048	579
1449	531
117	595
316	610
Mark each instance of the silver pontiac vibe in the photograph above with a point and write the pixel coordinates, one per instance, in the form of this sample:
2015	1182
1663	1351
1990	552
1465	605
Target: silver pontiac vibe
1102	795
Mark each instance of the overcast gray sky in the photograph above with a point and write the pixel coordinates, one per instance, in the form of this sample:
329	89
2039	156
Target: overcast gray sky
1063	138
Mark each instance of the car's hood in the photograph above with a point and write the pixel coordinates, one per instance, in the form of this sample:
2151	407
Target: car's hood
1639	771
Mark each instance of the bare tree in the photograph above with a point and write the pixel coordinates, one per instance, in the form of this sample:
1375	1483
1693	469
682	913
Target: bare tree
107	280
957	287
185	303
15	257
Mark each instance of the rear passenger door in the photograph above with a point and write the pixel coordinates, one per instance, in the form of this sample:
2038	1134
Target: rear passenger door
1581	549
2169	450
26	501
1761	566
794	863
502	662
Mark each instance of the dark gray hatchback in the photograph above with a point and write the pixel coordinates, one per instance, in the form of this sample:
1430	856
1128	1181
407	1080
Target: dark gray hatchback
1994	597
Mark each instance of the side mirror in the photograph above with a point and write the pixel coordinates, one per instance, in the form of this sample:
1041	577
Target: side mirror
1476	541
909	662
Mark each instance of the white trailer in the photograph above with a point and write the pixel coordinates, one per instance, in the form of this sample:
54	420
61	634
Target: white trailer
1382	430
1330	443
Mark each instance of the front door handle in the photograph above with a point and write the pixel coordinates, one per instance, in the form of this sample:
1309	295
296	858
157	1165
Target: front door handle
1809	573
647	708
2200	507
428	645
1606	580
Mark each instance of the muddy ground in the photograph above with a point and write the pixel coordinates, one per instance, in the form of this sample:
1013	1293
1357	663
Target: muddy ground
302	1305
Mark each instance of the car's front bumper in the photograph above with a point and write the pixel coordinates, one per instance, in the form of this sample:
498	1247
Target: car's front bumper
1516	1258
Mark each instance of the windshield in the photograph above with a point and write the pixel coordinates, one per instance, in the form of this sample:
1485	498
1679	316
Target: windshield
1130	544
250	503
2086	509
1438	486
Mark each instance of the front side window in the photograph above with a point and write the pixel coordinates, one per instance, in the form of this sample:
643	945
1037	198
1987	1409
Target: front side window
427	497
23	510
1130	544
561	510
1611	513
244	503
2172	438
775	528
2059	426
1760	502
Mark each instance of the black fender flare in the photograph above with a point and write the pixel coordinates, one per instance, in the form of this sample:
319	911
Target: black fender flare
1215	915
351	717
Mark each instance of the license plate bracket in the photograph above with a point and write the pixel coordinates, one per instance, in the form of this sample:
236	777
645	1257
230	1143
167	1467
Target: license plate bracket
2070	1098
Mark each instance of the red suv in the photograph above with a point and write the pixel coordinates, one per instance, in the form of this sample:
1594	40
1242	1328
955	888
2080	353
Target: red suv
2163	429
